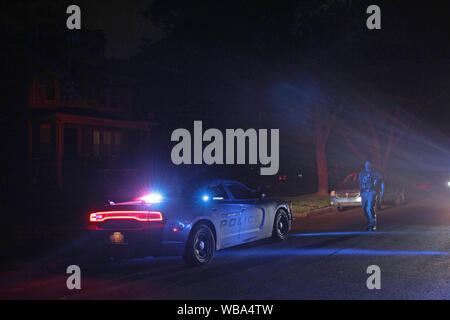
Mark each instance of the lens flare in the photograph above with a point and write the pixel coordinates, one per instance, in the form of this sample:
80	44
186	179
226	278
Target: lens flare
152	198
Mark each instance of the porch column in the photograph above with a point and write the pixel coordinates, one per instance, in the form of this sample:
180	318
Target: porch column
30	140
59	152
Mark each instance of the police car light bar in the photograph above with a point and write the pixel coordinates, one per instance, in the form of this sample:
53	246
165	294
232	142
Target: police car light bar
151	198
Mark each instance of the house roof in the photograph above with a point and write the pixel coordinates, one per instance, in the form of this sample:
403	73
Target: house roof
91	117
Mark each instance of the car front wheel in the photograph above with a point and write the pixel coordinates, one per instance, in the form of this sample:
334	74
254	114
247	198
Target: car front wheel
281	225
200	246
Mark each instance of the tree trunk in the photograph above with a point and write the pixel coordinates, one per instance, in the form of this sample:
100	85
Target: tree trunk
322	169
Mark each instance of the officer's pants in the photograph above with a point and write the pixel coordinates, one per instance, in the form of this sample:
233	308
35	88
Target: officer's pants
368	201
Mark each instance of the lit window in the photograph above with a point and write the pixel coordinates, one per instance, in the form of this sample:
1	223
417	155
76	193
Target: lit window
107	137
117	142
118	138
107	142
96	143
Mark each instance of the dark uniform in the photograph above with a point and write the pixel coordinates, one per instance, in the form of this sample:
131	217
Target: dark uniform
370	186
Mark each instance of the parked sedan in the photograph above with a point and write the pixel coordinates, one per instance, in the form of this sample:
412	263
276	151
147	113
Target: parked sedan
194	224
347	193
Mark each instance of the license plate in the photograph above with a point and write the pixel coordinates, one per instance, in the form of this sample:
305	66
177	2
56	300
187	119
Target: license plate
117	238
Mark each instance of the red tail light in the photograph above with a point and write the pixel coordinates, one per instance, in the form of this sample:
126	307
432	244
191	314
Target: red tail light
154	216
136	215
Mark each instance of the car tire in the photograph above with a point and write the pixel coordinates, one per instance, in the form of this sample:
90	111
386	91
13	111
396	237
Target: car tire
200	246
340	209
281	225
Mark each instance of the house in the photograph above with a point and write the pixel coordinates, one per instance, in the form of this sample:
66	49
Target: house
83	113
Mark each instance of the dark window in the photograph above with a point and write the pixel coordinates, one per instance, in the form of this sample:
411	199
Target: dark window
217	193
70	142
103	97
45	138
240	192
115	98
48	85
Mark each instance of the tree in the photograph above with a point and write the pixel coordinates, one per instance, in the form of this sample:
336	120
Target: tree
375	124
322	128
311	109
266	33
378	133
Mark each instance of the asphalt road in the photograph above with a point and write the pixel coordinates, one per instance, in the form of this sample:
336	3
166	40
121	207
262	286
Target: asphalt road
326	257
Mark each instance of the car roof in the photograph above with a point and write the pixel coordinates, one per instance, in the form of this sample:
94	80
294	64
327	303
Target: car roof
215	182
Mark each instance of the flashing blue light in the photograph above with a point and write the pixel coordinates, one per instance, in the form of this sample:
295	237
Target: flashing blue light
205	197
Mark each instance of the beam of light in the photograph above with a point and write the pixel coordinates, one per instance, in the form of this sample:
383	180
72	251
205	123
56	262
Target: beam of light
320	234
331	251
425	149
371	252
347	233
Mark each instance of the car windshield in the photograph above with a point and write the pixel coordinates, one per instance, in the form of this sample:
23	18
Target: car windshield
217	192
350	182
240	192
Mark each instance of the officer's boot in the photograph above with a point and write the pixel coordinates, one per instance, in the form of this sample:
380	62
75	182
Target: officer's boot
374	225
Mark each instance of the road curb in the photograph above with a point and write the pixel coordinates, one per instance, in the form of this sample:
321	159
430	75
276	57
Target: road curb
314	212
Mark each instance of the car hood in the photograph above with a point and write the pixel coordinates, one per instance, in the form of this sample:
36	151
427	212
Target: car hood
347	190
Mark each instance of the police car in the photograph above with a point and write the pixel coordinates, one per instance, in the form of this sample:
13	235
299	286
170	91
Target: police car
194	223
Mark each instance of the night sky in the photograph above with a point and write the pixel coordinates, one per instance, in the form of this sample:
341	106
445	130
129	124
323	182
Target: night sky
412	47
409	59
123	23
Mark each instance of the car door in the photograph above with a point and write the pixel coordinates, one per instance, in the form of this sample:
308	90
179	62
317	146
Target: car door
252	215
227	213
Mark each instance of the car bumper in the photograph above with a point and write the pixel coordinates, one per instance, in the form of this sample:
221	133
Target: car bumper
134	243
345	202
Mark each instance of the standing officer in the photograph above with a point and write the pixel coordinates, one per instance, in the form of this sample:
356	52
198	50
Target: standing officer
371	187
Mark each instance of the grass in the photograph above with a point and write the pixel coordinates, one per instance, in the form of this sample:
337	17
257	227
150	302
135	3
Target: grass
308	202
